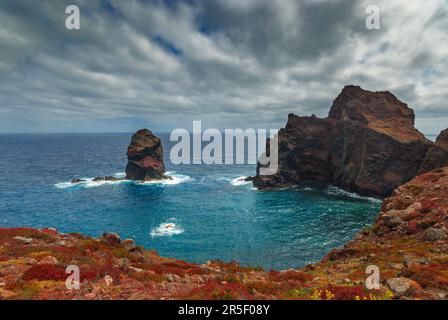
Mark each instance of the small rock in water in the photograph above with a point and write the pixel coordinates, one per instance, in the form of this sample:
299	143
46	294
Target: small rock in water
107	178
77	181
170	226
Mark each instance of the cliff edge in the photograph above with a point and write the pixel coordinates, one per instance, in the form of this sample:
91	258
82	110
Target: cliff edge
368	144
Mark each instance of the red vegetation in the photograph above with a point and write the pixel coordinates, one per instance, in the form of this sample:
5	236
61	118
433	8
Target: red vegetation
45	272
213	290
345	293
430	275
179	268
290	275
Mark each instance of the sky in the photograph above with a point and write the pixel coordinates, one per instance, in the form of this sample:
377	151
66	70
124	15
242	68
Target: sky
228	63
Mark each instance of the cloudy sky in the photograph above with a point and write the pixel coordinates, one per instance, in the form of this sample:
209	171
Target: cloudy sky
230	63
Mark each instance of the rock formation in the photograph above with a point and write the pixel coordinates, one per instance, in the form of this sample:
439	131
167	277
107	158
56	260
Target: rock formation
145	157
368	144
438	154
145	160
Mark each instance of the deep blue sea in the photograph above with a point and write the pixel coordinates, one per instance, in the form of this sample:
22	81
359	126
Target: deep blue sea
213	216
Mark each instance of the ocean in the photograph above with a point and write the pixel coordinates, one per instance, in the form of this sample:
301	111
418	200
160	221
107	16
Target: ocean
212	214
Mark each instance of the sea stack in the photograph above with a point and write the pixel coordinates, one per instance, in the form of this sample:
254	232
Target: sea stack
368	144
145	157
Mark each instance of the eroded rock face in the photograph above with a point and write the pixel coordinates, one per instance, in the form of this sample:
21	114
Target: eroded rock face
145	157
442	139
368	144
437	156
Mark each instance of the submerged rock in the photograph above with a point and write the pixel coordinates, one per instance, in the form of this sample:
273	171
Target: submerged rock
77	181
107	178
145	157
368	144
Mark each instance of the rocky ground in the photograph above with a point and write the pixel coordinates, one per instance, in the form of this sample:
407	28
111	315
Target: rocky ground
408	243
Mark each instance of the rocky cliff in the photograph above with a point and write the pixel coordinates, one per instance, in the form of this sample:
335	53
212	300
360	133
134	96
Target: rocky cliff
437	155
368	144
408	244
145	157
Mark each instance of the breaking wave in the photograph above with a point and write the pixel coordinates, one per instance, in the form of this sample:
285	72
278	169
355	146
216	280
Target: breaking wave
240	181
335	191
167	229
90	183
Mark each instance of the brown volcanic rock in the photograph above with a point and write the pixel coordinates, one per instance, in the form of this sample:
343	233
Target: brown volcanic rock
442	139
368	144
438	154
145	157
379	111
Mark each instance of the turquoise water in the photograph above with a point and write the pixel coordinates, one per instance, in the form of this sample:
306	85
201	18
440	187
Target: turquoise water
211	214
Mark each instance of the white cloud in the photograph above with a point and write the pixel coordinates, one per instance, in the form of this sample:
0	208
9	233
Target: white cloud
227	62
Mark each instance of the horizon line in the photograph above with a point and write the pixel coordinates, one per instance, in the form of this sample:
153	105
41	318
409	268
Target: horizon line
118	132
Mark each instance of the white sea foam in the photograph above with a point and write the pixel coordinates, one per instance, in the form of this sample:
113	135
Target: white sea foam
175	179
167	229
240	181
64	185
120	174
335	191
90	183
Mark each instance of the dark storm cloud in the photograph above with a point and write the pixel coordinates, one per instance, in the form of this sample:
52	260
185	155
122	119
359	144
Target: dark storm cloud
230	63
281	33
